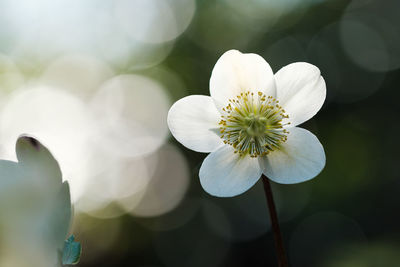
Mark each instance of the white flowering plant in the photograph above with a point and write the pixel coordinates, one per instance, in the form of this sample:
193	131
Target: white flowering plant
35	208
249	124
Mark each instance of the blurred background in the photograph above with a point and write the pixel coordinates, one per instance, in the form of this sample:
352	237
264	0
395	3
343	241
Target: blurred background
93	81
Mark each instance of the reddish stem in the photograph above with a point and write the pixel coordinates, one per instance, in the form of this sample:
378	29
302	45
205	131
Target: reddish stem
280	249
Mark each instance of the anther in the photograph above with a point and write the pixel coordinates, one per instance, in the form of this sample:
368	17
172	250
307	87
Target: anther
253	126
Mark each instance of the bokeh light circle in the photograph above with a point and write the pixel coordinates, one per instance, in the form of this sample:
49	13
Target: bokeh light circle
154	21
131	112
166	188
79	74
54	117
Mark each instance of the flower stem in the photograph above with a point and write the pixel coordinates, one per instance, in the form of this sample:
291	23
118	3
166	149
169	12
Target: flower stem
280	249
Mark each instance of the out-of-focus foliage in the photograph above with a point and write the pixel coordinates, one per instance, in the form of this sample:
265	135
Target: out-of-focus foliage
381	253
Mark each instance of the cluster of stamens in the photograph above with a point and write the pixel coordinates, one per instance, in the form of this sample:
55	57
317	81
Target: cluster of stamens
252	124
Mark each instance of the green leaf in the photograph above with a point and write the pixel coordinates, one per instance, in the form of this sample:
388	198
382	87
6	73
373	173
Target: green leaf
72	251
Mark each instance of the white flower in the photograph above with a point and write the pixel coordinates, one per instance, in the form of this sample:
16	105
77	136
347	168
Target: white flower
35	209
249	124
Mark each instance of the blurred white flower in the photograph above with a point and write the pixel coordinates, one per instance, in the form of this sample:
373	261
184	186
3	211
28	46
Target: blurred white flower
108	158
249	124
35	208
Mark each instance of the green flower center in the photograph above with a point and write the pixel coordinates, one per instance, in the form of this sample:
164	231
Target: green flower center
252	124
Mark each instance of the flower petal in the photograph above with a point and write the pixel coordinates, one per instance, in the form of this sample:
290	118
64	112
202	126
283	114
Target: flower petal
193	121
301	158
235	72
301	91
225	174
